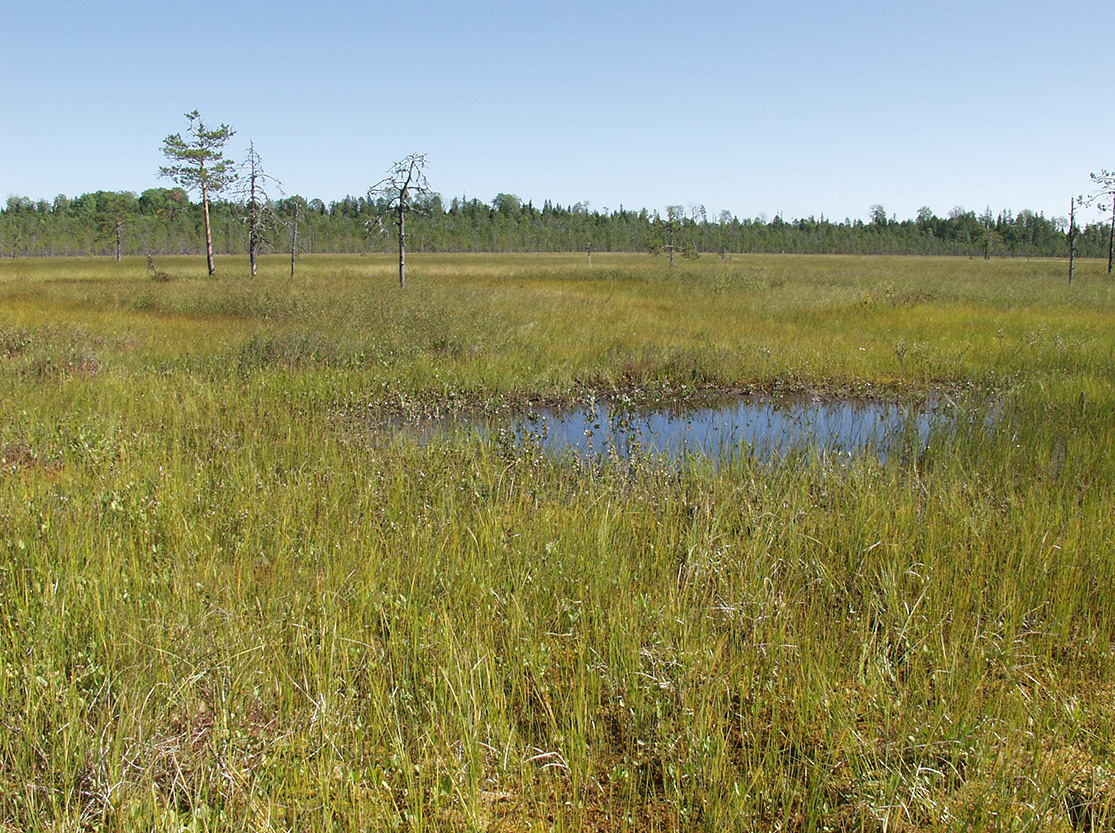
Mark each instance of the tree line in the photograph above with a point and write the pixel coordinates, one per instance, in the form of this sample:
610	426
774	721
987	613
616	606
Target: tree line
247	220
166	221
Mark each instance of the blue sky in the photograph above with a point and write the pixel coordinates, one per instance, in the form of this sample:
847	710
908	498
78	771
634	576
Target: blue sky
793	107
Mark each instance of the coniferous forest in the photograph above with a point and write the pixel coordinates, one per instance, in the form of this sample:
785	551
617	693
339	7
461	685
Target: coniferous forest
166	221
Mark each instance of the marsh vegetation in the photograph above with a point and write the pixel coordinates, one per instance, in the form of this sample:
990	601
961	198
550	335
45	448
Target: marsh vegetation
713	429
226	604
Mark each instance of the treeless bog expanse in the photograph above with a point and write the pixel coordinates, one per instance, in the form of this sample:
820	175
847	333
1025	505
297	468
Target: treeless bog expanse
227	604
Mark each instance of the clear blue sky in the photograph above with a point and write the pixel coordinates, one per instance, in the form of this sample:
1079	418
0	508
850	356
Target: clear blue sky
792	107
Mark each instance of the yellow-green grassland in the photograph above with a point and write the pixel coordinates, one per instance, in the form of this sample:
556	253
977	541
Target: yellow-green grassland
231	600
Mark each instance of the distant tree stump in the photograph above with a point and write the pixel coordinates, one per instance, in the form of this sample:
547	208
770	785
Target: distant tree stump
155	273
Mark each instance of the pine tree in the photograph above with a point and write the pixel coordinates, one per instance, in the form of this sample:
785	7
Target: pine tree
199	164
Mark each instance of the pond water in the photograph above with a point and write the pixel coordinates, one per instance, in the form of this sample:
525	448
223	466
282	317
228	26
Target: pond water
764	427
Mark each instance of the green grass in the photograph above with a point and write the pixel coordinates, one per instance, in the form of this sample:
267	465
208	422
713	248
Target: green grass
227	604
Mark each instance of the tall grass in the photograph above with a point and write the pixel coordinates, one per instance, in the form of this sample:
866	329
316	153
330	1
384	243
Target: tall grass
227	604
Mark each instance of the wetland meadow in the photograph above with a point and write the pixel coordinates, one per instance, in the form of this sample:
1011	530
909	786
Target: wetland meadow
242	590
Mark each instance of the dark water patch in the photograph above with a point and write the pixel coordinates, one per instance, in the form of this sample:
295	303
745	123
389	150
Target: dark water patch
763	427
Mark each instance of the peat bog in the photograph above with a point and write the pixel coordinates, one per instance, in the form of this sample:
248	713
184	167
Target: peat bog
230	602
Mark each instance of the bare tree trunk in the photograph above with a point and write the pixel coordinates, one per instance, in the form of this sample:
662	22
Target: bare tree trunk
294	241
1072	239
253	212
119	223
253	230
208	230
402	246
1111	238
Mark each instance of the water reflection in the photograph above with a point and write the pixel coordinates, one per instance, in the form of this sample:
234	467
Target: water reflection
763	427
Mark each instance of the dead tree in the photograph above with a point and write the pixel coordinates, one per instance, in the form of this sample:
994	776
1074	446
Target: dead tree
290	213
259	213
1105	180
396	194
1072	234
294	238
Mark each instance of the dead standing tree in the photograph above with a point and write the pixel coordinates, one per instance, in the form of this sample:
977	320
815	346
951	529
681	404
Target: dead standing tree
399	189
259	212
297	209
1105	195
1072	235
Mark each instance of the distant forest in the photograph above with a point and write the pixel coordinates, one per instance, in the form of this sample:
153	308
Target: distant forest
165	221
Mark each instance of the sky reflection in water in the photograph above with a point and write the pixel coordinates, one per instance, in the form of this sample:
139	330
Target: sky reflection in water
763	427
